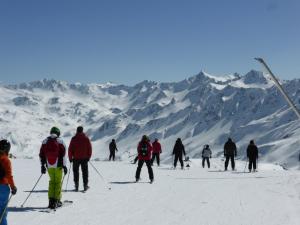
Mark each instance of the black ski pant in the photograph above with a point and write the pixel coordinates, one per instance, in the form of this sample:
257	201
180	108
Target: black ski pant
139	168
84	169
207	160
155	155
112	155
178	157
252	162
231	157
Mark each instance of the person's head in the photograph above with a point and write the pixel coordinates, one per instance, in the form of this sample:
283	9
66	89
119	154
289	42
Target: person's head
178	140
229	139
252	142
79	129
145	138
156	140
55	131
4	146
113	140
207	146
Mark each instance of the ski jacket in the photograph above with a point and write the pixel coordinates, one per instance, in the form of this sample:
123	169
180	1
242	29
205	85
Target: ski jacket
6	165
113	146
149	151
252	151
230	149
53	152
178	149
156	147
206	152
80	147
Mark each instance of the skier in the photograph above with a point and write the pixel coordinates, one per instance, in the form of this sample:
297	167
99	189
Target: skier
230	152
178	150
252	154
206	154
156	152
53	156
6	179
112	149
144	156
80	152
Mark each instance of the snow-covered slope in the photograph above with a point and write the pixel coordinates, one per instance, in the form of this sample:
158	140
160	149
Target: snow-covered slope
202	109
188	197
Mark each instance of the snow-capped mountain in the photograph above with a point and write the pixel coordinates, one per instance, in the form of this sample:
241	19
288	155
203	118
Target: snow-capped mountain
202	109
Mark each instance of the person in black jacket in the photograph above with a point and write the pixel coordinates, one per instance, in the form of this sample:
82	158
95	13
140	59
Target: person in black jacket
178	150
230	153
252	154
112	149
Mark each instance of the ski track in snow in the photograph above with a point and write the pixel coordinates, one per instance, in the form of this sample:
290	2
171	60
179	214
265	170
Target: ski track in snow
191	196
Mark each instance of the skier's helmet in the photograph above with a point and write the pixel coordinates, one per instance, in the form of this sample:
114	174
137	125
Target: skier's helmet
4	146
55	130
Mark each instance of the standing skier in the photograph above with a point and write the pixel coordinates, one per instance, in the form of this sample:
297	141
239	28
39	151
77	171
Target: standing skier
112	149
6	179
206	154
178	150
230	153
156	151
252	154
144	156
52	155
80	152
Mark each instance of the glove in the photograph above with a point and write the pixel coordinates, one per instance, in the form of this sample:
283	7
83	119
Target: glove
14	190
71	160
65	170
43	169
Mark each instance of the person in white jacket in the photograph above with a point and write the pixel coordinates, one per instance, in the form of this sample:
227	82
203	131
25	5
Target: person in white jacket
206	154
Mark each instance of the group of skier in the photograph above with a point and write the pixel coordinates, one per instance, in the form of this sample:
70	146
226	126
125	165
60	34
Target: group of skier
53	154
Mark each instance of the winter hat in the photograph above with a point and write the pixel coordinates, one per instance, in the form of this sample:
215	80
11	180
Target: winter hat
113	140
4	146
55	130
79	129
252	142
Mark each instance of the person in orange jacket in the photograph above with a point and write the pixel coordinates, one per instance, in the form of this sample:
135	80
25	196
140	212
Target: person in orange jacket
7	183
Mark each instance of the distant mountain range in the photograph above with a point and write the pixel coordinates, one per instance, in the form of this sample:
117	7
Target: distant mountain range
202	109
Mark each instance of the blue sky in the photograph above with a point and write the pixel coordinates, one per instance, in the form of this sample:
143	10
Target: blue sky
130	41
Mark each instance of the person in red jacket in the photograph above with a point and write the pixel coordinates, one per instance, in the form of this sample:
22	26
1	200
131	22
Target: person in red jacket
144	155
80	152
6	179
156	151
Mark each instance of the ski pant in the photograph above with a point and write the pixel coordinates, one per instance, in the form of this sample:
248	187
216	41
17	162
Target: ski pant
139	168
178	157
4	195
155	155
207	160
83	163
231	157
252	162
55	184
112	155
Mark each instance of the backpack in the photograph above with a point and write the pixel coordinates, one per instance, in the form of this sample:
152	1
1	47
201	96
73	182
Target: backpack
144	149
2	172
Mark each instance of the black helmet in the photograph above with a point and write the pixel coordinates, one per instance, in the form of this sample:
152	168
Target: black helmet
55	130
4	145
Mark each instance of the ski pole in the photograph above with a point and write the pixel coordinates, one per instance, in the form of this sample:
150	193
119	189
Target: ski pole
68	177
102	178
31	190
4	210
97	171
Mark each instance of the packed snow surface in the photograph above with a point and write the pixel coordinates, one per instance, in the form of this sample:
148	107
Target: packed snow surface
192	196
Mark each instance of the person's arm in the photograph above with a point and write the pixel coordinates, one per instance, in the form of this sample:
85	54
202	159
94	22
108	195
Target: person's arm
183	149
90	148
235	152
70	150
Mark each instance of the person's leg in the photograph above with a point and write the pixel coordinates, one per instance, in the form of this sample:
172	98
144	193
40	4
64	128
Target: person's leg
138	170
175	160
232	162
208	163
226	162
85	173
113	155
58	174
76	165
150	171
110	155
250	165
158	159
4	195
203	162
254	164
181	161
